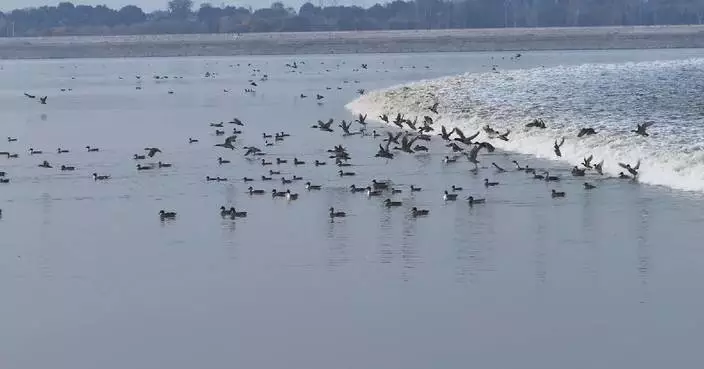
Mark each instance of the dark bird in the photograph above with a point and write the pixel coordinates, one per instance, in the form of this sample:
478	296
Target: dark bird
630	169
362	119
444	134
556	147
251	150
42	100
221	161
384	118
641	129
228	144
490	184
537	123
555	194
337	214
151	151
192	140
434	108
589	186
586	132
587	162
236	121
30	96
415	212
498	168
165	215
324	126
578	172
390	204
598	167
461	137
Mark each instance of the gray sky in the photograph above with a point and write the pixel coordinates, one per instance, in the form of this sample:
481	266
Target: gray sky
149	5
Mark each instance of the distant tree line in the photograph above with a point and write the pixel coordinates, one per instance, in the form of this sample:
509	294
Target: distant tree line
181	17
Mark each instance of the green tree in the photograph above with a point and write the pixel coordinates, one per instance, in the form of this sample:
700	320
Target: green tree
180	9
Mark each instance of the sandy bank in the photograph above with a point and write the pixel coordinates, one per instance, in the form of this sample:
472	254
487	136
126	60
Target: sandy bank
355	42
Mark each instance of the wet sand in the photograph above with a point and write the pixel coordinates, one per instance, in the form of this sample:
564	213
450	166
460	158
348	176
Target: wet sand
510	39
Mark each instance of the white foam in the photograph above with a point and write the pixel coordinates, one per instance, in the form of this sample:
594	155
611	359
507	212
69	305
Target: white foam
612	98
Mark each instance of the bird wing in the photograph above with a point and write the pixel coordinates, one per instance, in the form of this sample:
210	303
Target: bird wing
589	159
622	165
561	142
472	137
637	165
459	133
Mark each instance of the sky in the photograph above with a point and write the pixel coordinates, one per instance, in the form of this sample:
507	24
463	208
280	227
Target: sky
150	5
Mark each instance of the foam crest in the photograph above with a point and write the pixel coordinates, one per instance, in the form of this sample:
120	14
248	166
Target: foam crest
611	98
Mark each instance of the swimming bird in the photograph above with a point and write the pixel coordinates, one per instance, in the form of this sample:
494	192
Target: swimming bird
555	194
345	174
274	172
291	196
66	168
336	214
139	157
434	108
538	176
380	185
164	165
578	172
621	175
471	200
151	151
218	125
598	167
390	204
245	179
537	123
490	184
224	212
296	178
192	140
4	180
45	164
11	139
589	186
97	177
415	189
285	181
275	193
556	147
354	189
448	160
319	96
144	167
415	212
92	149
252	191
311	187
298	162
518	167
587	162
265	163
549	178
164	215
371	192
222	161
449	196
61	151
219	132
586	132
237	214
265	178
319	163
455	188
630	169
498	168
34	152
228	144
641	129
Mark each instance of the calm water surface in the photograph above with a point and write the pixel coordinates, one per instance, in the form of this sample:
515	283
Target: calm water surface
90	278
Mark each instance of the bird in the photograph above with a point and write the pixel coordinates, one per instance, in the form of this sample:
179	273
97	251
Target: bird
345	174
504	136
549	178
498	168
471	200
415	189
415	212
151	151
11	139
455	188
578	172
164	215
311	187
444	134
630	169
518	166
589	186
537	123
265	163
286	181
236	121
137	157
448	160
222	161
362	119
555	194
587	162
389	204
598	167
556	147
42	100
192	140
434	107
45	164
252	191
34	152
30	96
144	167
586	132
449	196
298	162
92	149
641	129
164	165
100	177
228	144
490	184
336	214
291	196
461	137
251	150
371	192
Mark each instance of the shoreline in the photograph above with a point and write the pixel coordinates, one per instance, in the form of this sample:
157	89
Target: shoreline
362	42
